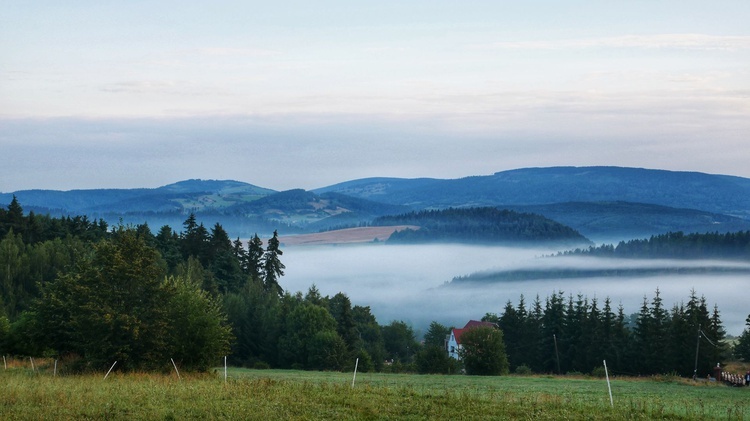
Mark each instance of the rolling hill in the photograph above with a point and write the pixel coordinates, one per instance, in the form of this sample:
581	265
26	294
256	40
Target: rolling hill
539	186
606	203
611	221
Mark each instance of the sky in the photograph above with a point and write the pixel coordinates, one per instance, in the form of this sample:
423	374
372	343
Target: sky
300	94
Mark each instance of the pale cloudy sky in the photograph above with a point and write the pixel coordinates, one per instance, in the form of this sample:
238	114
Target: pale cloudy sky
290	94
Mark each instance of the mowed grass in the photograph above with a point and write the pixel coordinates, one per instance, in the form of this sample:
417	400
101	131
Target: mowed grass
279	394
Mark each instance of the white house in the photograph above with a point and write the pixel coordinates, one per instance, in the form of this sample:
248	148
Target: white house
453	342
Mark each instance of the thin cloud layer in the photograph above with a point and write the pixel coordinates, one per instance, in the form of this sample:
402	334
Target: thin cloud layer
337	92
695	42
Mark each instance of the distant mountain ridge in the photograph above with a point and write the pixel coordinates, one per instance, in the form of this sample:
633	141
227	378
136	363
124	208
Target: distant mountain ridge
188	194
537	186
599	202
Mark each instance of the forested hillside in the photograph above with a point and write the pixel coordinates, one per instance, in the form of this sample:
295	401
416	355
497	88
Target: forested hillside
611	221
479	225
678	245
700	247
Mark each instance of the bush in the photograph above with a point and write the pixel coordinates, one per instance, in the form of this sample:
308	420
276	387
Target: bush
261	365
599	372
365	362
523	370
434	360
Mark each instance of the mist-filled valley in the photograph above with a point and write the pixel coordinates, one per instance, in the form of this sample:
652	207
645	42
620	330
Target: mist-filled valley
413	282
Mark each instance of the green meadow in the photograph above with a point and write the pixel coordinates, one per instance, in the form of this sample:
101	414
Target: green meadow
303	395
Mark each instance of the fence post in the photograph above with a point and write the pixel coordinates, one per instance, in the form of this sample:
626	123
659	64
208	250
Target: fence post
110	369
175	369
356	364
606	373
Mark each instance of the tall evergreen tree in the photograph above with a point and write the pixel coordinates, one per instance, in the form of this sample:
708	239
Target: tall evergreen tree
13	219
513	329
717	351
340	308
255	258
370	333
742	347
659	335
195	240
240	254
553	328
168	244
641	347
399	341
533	340
436	335
273	269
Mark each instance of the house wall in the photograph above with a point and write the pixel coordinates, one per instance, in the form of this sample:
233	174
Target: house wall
453	347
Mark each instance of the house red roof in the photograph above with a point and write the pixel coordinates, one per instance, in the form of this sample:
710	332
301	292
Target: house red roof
471	325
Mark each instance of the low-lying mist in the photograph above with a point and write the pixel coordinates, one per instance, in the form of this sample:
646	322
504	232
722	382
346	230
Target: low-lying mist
408	282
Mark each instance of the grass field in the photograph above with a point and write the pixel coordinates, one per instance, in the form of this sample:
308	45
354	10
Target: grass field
277	394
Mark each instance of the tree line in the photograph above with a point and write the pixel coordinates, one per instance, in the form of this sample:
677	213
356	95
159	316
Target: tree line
575	334
678	245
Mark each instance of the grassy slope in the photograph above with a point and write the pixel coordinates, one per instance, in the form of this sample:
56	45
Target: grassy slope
271	394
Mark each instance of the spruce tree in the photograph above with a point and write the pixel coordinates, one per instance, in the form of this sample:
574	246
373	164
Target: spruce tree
255	259
273	269
742	347
513	329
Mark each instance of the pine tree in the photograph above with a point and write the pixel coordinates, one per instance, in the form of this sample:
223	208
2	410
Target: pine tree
533	340
240	254
641	345
436	335
255	259
195	241
512	326
717	350
14	217
168	244
742	347
224	266
273	269
659	335
340	308
553	328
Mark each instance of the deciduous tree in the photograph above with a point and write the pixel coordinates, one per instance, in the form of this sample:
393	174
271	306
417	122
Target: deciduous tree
483	351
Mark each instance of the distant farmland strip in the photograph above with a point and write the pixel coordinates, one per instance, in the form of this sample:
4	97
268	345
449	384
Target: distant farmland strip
344	236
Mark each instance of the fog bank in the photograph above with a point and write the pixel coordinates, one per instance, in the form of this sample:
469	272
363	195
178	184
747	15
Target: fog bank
401	282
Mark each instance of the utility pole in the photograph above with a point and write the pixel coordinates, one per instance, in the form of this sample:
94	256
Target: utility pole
697	347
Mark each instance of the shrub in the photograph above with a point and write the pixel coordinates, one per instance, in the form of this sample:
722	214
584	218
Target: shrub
599	372
523	370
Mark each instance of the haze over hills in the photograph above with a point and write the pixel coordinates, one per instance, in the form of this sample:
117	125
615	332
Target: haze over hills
599	202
